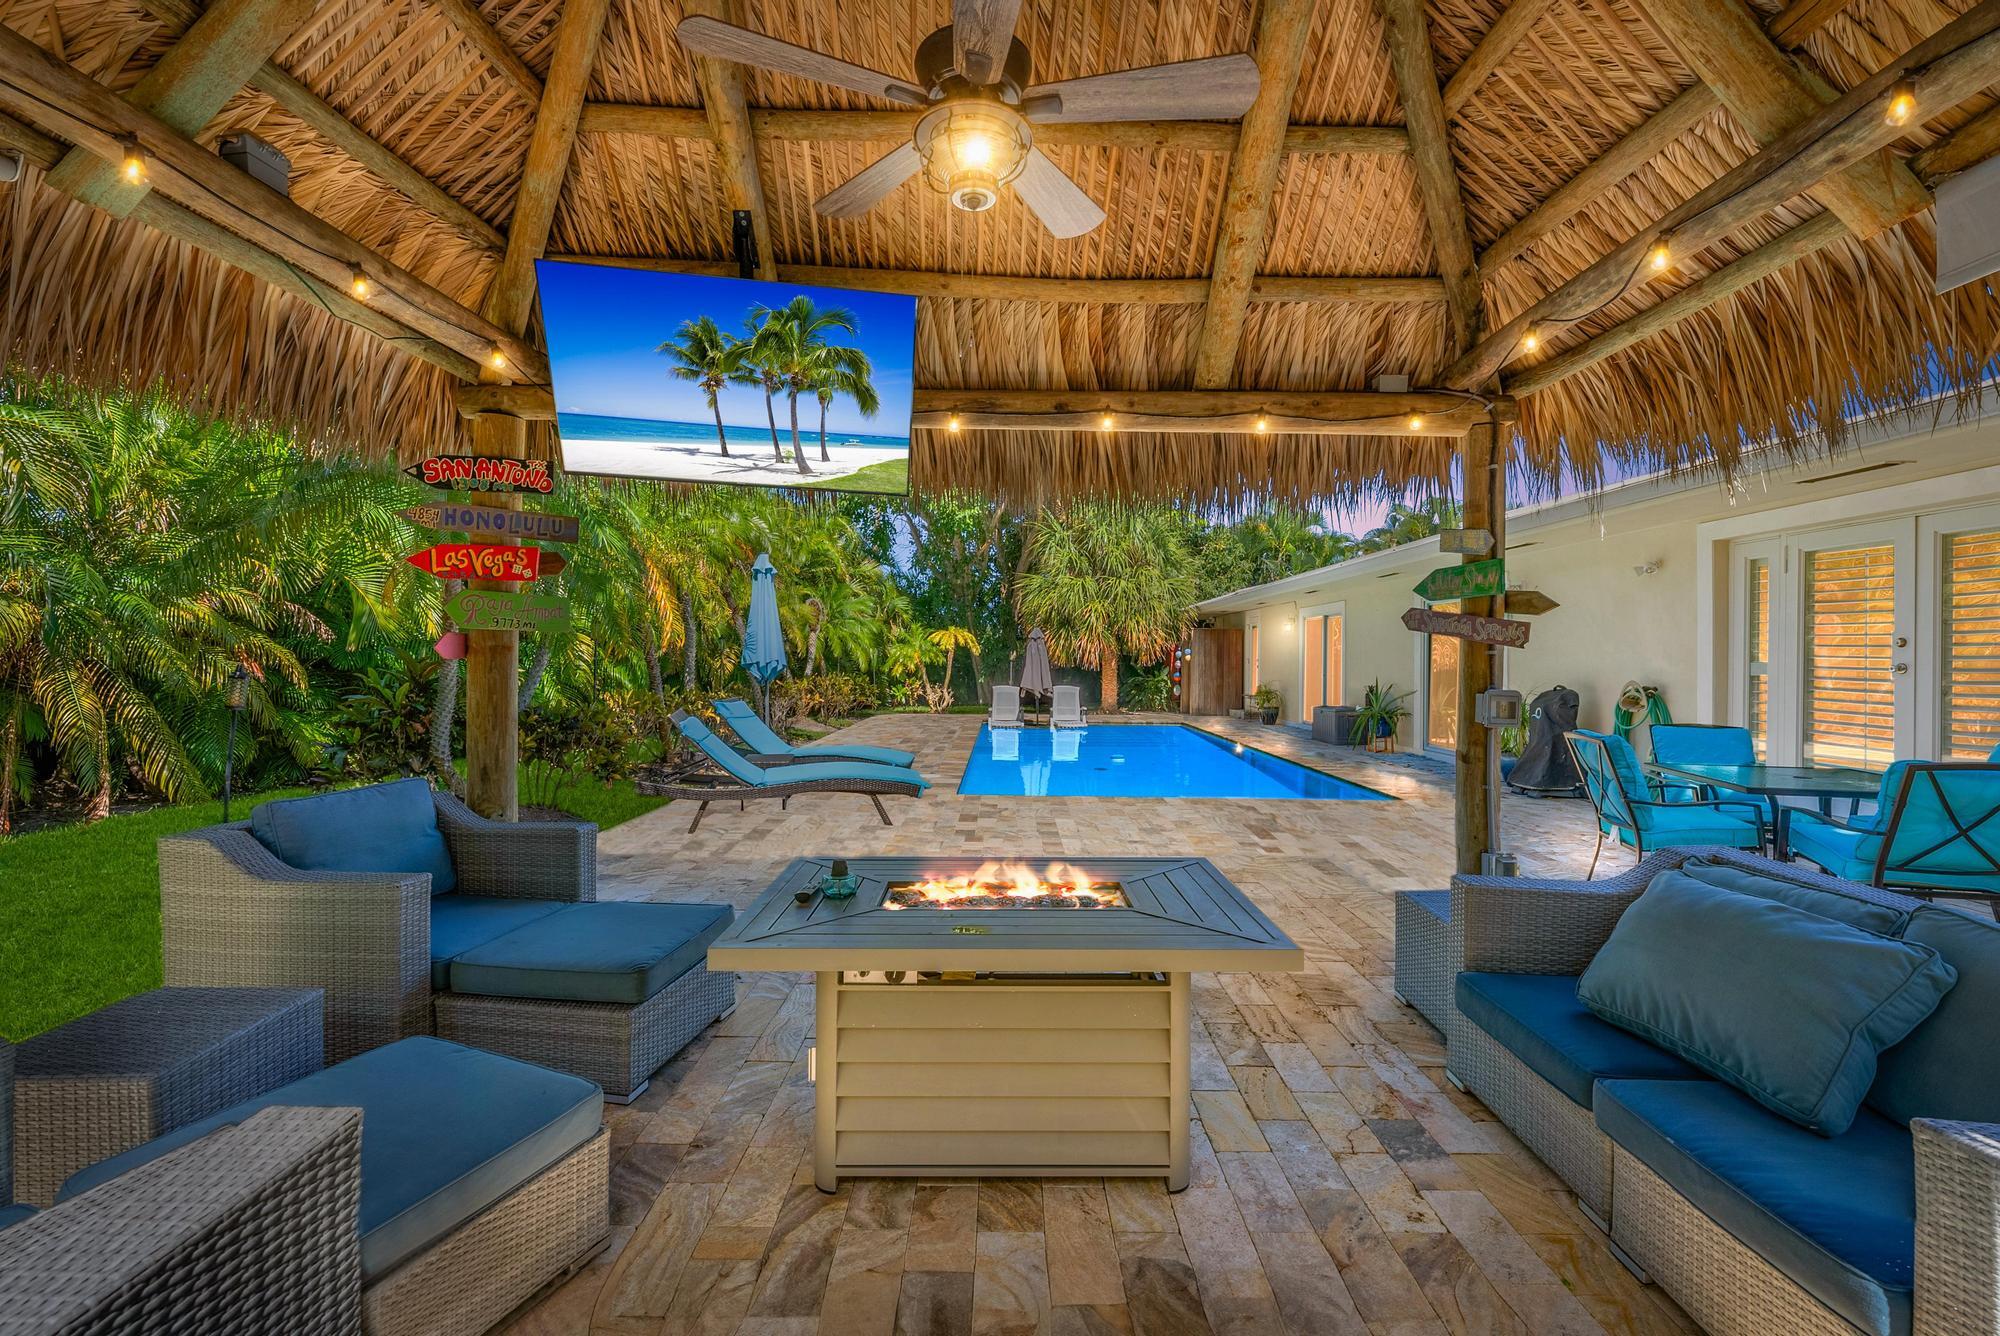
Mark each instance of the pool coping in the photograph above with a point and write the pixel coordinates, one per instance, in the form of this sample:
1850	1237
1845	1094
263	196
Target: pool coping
958	787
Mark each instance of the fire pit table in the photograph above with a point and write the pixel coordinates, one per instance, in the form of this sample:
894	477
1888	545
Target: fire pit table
979	1018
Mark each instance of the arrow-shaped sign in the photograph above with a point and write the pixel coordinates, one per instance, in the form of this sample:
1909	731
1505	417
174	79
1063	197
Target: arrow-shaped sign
507	610
1529	603
1471	542
530	526
1465	626
483	473
1474	579
485	561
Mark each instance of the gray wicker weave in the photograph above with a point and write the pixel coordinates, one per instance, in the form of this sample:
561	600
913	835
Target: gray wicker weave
617	1046
146	1065
1548	1122
528	1241
252	1230
1958	1227
231	913
6	1123
1426	954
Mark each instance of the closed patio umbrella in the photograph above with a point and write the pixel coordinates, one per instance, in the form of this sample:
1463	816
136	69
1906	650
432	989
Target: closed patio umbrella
763	637
1035	674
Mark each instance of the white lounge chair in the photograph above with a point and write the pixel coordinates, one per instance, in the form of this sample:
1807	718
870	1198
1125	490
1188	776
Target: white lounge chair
1006	710
1067	709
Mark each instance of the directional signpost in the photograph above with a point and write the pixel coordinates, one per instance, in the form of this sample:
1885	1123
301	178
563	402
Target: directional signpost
1465	542
485	561
1474	579
483	473
525	525
1465	626
1529	603
507	610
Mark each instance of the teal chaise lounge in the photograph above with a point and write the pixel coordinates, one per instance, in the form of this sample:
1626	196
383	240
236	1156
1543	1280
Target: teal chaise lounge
1638	811
768	748
744	779
418	917
1935	830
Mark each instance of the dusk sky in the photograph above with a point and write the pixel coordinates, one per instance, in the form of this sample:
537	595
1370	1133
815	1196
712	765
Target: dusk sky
604	324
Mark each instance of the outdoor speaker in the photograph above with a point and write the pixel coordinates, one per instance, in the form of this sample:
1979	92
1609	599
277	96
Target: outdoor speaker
1968	244
255	158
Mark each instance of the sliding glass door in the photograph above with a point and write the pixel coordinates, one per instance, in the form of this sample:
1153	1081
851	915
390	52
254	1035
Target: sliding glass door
1322	659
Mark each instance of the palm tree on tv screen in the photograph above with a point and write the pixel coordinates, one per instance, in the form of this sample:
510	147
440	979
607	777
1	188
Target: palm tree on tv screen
793	341
706	356
755	364
835	370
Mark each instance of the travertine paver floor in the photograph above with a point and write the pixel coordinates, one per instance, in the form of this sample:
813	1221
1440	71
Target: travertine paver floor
1340	1185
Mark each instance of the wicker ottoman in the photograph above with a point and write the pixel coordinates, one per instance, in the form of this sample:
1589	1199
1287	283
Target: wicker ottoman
1426	961
147	1065
607	991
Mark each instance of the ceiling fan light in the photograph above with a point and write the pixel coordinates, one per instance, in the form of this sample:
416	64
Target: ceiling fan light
971	149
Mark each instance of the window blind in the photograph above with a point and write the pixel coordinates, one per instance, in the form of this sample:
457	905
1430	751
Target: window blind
1850	626
1969	689
1759	645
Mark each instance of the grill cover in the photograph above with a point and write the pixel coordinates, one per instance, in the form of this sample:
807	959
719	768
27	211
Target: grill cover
1546	768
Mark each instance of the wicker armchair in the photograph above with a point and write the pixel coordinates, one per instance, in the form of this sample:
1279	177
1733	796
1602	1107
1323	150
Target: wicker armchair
231	913
250	1230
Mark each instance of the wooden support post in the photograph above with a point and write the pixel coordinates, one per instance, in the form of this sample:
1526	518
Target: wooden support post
1481	475
493	663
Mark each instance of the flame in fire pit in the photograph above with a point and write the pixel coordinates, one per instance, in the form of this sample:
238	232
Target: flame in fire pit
997	885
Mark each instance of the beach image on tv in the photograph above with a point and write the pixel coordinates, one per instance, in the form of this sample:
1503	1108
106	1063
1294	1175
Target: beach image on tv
685	378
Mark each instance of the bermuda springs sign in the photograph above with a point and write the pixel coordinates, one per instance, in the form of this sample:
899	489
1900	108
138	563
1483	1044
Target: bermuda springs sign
507	610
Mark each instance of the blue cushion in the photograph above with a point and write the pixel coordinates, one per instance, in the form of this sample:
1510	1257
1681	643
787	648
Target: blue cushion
1867	915
1538	1019
736	764
762	738
855	751
14	1214
1789	1007
1435	903
461	922
605	952
1946	1068
1845	849
380	828
1671	826
1702	744
1836	1214
446	1131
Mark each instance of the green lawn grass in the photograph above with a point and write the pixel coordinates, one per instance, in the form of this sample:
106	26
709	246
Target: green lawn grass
80	905
891	475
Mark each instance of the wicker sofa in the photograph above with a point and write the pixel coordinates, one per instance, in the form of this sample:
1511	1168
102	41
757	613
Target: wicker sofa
1928	1193
512	955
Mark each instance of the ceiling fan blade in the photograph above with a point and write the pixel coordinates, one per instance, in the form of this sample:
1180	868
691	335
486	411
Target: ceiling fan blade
871	185
1058	201
1217	88
725	41
981	33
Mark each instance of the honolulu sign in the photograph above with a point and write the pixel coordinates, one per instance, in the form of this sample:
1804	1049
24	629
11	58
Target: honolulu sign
527	525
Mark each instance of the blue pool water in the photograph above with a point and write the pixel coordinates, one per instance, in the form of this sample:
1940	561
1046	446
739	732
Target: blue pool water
1140	761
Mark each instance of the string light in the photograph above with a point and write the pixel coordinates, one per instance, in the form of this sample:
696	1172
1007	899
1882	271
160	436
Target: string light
497	359
133	166
1263	424
1531	340
1416	422
1661	255
358	284
1104	423
951	423
1902	103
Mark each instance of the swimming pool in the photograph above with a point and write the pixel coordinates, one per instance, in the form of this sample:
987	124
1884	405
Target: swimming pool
1140	761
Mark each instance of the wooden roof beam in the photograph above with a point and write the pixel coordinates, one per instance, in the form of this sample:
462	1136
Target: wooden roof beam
275	83
1946	68
198	74
1254	168
465	15
1360	288
510	299
625	118
69	104
1769	92
728	112
1499	42
1415	67
1798	22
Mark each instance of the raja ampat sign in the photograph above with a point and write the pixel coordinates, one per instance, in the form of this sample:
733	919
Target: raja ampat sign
483	473
506	610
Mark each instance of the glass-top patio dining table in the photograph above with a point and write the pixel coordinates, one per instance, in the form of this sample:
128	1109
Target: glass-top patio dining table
1827	784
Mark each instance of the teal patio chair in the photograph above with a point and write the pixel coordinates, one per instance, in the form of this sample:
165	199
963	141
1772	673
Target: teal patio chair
767	747
1935	831
743	779
1699	744
1638	812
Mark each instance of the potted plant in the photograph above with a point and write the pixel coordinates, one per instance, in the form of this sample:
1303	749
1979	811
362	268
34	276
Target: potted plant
1381	714
1268	701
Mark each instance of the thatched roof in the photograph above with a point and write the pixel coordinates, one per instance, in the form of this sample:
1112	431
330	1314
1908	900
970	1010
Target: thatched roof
456	92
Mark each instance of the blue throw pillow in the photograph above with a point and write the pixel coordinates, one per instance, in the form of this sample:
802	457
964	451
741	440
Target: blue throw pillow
1849	909
1789	1007
1946	1068
381	828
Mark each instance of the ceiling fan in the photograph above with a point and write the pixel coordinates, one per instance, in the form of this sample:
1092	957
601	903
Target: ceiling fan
977	131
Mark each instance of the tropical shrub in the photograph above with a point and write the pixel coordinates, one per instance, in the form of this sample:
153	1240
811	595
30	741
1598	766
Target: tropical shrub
1148	689
380	726
823	696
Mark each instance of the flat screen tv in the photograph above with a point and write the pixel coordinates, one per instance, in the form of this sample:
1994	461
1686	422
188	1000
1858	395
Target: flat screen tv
686	378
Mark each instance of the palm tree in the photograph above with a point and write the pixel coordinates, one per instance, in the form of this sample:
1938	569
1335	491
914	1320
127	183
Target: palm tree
1104	578
838	370
951	639
1406	523
755	364
707	357
791	342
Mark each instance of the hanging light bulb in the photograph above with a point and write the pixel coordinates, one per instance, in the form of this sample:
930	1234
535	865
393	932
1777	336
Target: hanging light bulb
1661	255
133	165
1902	103
358	284
497	359
1416	422
1104	423
951	423
1531	340
1263	423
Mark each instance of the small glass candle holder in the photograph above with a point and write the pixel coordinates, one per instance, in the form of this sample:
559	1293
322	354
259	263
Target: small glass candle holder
839	884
